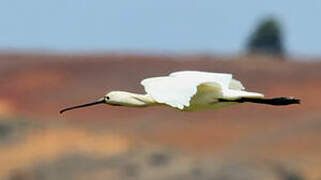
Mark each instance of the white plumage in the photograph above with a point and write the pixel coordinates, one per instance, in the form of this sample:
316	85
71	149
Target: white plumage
178	88
189	91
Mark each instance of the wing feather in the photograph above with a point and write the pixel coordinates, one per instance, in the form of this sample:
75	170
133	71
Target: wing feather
174	91
178	88
236	85
223	79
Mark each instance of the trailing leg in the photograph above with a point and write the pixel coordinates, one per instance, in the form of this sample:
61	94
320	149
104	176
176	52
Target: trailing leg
278	101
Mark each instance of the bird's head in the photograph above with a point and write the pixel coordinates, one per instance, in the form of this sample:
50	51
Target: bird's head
115	98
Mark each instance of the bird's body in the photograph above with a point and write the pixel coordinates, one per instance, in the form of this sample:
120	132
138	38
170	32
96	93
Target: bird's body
207	97
189	91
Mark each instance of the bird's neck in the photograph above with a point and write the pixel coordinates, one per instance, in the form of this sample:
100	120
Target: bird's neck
138	100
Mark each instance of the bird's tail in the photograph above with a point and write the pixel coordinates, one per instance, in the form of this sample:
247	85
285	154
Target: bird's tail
278	101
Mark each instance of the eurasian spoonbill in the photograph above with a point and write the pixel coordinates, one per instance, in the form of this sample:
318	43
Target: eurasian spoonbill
189	91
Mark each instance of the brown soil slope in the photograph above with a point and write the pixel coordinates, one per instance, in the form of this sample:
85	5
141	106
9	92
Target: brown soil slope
37	86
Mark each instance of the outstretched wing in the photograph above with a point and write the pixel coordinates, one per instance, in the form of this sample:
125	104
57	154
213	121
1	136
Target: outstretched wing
230	88
178	88
236	85
225	79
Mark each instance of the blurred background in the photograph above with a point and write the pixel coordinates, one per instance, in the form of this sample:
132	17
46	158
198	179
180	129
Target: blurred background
54	54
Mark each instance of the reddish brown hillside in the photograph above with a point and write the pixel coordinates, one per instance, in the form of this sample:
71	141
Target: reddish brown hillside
38	86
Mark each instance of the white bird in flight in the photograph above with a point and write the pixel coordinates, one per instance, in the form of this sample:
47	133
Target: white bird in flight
189	91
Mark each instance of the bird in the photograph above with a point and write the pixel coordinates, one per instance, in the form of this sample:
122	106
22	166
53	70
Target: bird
189	91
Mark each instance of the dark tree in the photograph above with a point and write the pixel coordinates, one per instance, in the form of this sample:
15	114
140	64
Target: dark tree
267	39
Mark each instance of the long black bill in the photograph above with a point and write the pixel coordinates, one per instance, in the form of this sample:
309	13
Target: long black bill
100	101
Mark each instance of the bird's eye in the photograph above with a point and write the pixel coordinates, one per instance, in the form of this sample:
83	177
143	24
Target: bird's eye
107	97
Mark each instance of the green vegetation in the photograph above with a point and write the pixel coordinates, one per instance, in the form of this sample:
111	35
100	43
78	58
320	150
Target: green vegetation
267	38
